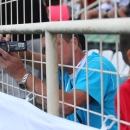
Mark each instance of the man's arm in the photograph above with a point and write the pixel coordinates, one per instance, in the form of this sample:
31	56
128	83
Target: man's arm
12	65
81	99
41	88
37	59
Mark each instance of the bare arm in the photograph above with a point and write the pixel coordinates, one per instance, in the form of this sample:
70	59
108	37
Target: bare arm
37	57
69	98
12	65
40	88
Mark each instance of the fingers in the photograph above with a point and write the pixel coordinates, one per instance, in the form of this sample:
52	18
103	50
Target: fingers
1	37
2	61
5	55
14	54
7	38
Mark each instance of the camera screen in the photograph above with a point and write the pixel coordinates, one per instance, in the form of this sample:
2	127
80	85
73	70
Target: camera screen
21	44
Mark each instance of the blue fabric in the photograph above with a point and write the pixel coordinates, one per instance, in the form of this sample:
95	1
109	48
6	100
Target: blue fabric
94	89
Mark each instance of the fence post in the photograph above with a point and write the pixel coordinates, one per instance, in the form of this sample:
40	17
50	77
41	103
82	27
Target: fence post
52	74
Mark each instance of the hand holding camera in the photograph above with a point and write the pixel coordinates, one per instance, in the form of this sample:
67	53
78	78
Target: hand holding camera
13	46
10	61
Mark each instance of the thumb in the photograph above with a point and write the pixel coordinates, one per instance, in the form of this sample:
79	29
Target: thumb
8	37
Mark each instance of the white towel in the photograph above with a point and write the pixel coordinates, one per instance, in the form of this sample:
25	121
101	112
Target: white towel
19	114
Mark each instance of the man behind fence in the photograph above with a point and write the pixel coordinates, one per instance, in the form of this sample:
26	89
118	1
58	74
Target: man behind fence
76	80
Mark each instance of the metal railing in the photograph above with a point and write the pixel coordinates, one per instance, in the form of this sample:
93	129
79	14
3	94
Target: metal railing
115	26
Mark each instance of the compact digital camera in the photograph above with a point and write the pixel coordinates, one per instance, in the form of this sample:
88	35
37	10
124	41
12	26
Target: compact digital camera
13	46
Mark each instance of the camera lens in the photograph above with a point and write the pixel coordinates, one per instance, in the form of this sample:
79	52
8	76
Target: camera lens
4	45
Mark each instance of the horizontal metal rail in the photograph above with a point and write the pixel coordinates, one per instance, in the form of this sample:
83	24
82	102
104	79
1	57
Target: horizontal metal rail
97	26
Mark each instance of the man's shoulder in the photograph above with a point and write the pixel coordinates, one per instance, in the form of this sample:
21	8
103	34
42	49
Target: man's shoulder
94	60
97	58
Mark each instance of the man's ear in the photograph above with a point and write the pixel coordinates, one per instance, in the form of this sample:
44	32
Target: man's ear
128	55
75	43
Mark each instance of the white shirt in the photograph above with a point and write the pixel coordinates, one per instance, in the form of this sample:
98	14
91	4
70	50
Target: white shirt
123	2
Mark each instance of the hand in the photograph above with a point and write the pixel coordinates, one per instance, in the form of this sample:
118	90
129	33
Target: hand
7	38
12	64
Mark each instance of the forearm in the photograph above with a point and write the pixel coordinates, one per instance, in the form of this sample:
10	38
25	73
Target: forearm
38	87
36	60
33	56
35	84
25	54
69	99
64	99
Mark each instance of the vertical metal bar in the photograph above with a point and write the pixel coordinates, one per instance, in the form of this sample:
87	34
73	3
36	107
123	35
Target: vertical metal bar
42	78
11	18
74	80
101	73
17	3
5	13
118	92
115	9
11	22
2	89
24	36
32	11
62	71
0	13
24	16
6	24
87	87
17	34
50	10
40	10
99	13
11	12
72	11
85	11
60	10
32	51
32	68
52	74
24	11
101	67
24	23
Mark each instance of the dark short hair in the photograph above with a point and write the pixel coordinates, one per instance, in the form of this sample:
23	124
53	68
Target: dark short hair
68	37
125	46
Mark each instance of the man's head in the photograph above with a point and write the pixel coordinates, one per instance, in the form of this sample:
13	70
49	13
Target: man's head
66	45
125	47
68	37
68	48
